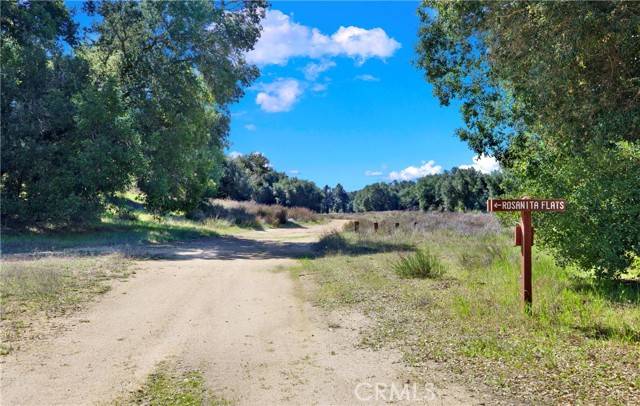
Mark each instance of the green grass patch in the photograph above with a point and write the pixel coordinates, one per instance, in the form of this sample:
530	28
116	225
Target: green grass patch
580	344
420	264
33	290
170	385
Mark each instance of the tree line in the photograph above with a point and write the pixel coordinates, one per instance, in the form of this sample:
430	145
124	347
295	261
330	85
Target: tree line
251	177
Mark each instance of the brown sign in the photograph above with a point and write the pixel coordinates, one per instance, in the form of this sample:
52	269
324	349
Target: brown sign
524	233
526	205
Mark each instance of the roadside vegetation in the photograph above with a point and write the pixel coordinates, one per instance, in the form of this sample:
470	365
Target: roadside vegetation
33	292
254	215
580	344
173	385
128	223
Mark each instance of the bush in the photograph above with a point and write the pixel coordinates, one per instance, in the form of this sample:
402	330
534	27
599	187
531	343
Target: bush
302	214
274	215
126	214
421	264
333	242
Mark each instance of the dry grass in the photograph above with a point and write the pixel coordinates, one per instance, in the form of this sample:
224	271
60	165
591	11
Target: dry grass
581	344
251	214
418	223
33	292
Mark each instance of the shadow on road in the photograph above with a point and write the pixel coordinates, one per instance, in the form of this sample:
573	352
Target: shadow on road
217	248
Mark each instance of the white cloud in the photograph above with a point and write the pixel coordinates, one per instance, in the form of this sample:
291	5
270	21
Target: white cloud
294	171
313	70
483	163
282	39
278	96
372	173
250	127
367	78
363	44
234	154
319	87
412	172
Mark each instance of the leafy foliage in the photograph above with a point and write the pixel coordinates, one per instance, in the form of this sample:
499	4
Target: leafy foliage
295	192
180	64
251	177
603	234
550	89
460	189
376	197
67	140
146	100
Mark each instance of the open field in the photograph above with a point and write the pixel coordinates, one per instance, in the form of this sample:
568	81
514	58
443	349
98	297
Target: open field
580	344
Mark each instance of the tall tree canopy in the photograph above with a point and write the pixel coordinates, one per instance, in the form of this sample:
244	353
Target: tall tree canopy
376	197
144	98
180	64
553	90
67	140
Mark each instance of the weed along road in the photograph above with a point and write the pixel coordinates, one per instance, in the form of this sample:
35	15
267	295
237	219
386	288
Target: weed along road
223	306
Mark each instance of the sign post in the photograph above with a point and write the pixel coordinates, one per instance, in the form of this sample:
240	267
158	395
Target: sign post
524	233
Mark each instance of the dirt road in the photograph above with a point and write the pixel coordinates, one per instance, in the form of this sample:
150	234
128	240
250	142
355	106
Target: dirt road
216	305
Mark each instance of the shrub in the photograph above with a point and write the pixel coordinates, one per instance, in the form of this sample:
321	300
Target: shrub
273	215
420	264
126	214
332	242
302	214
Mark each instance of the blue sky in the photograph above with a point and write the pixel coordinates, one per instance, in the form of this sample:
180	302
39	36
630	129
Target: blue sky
369	116
338	99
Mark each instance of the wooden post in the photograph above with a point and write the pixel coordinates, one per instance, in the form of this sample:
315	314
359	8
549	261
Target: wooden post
375	227
356	226
524	234
525	252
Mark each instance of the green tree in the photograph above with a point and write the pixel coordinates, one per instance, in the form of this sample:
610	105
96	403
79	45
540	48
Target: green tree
235	182
67	139
427	191
293	192
341	201
376	197
406	191
180	64
327	203
458	189
553	83
261	176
